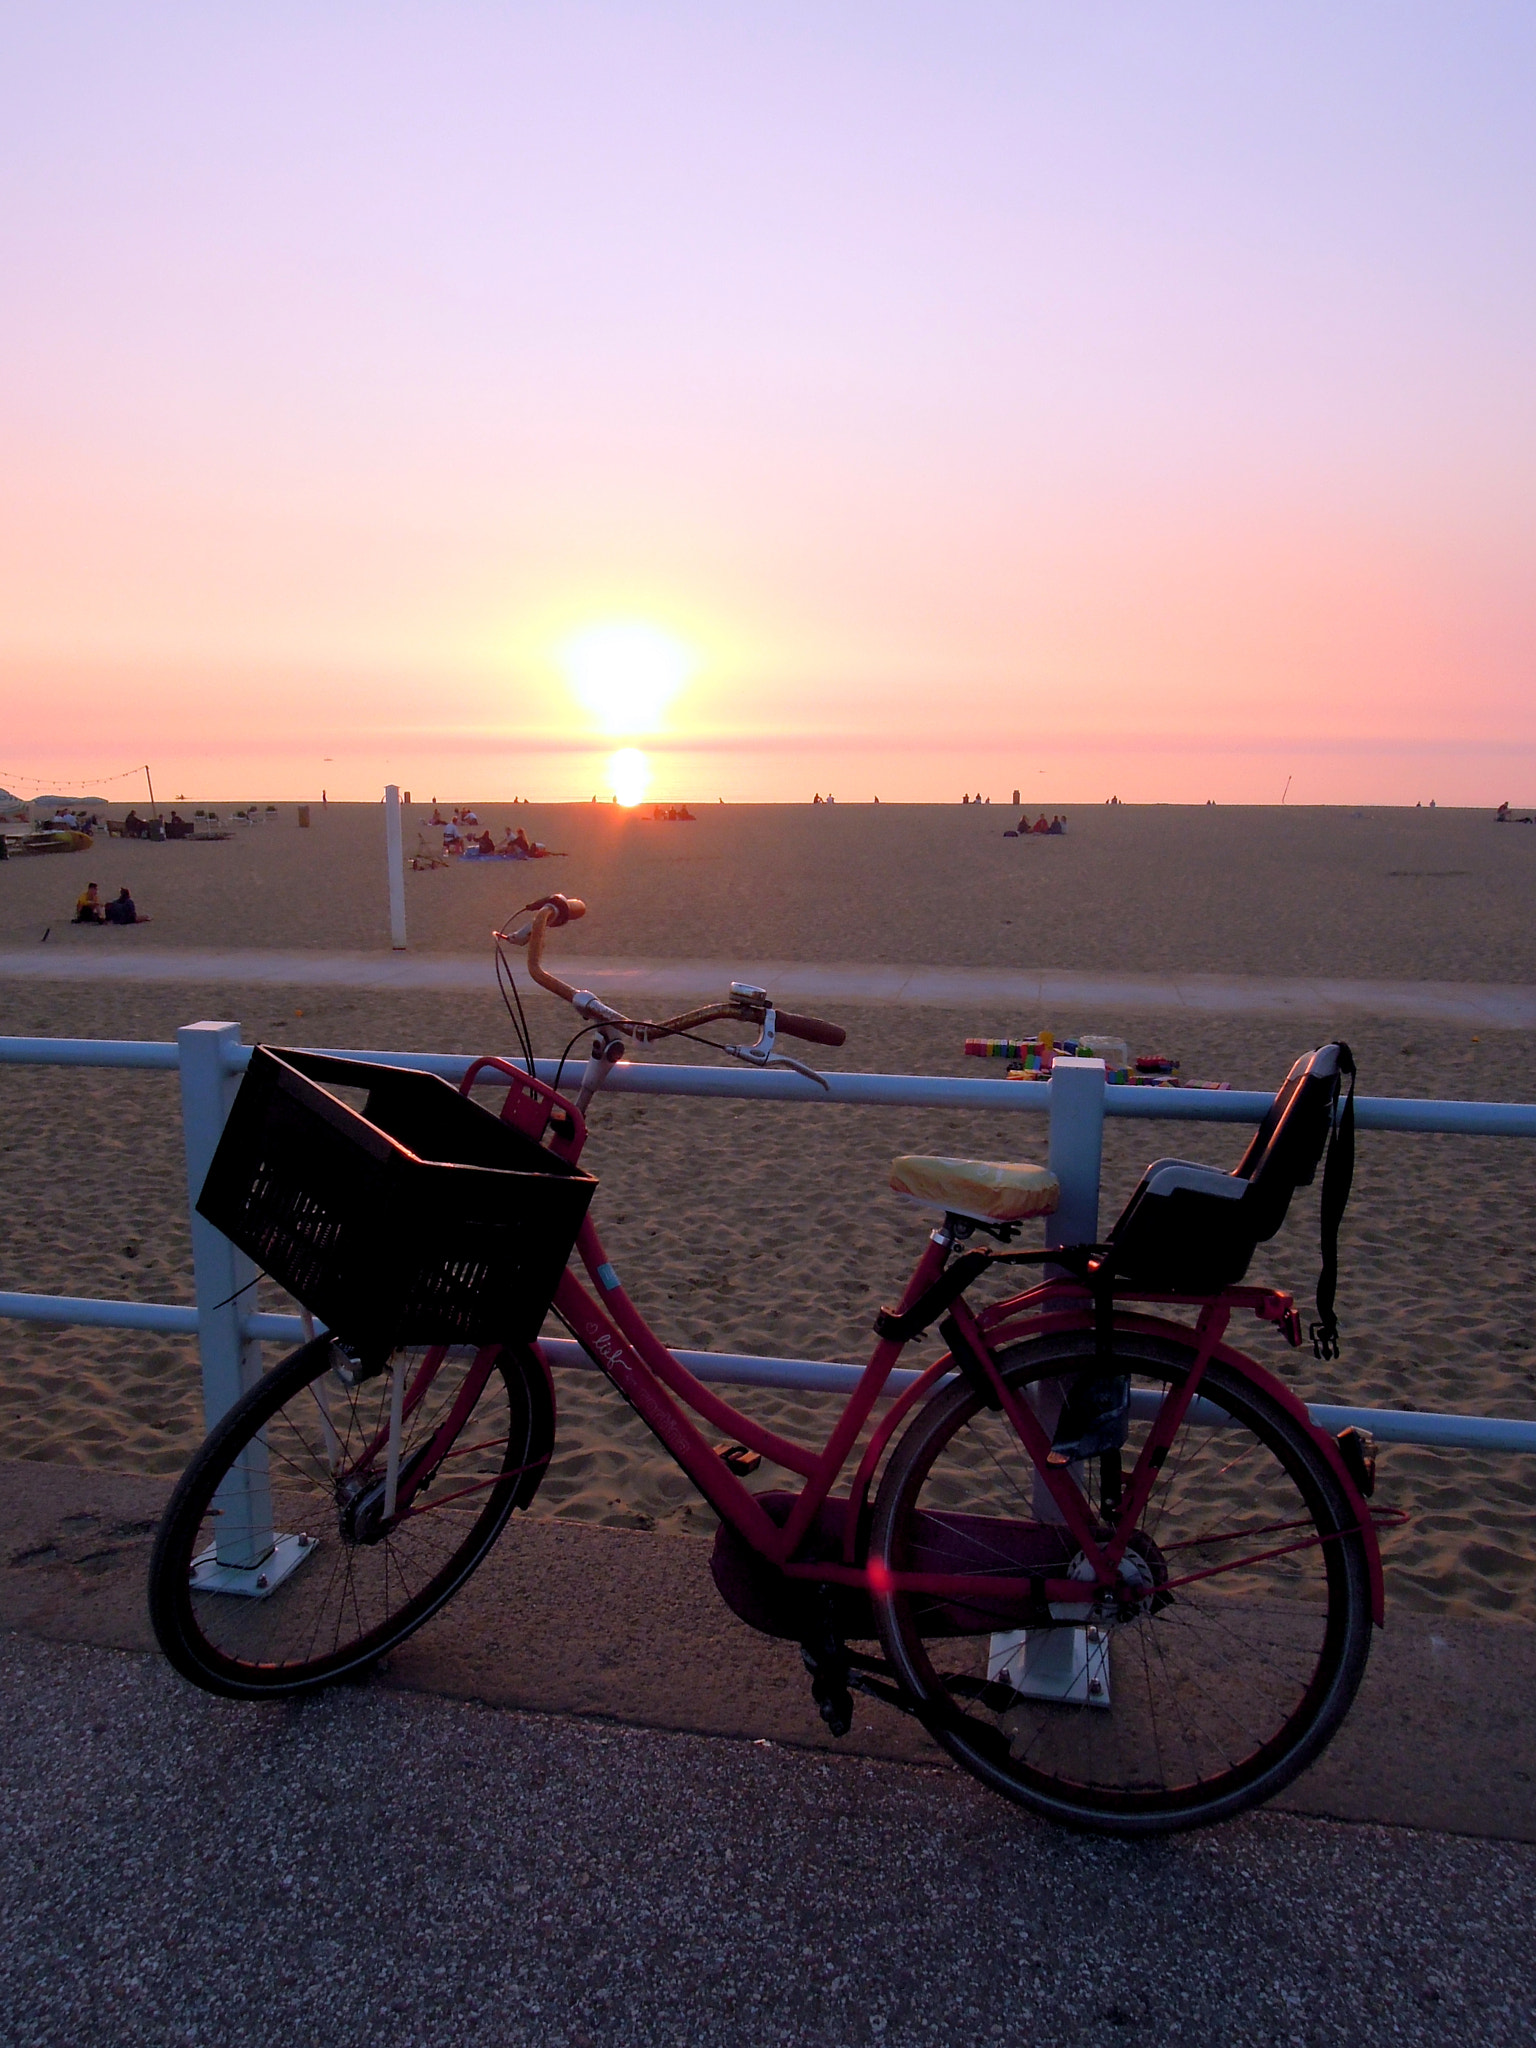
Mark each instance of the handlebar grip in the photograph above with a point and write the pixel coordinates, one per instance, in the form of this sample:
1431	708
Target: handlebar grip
561	908
816	1029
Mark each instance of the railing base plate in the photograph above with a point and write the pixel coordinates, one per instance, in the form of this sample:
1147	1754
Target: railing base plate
1069	1665
252	1582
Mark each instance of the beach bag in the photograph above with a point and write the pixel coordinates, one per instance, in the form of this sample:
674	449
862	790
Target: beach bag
1191	1229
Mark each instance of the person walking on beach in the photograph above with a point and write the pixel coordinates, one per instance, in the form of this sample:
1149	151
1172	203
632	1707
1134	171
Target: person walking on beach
123	910
88	906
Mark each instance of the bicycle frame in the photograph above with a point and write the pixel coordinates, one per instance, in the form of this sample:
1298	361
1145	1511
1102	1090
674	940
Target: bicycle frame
664	1391
661	1390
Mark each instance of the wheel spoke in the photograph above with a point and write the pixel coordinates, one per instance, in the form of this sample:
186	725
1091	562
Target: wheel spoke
360	1586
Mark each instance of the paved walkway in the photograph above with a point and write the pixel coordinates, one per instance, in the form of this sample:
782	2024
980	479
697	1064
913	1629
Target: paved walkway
375	1867
585	1805
1492	1006
566	1618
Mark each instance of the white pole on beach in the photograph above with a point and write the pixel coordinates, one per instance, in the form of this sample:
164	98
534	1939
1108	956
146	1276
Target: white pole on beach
395	857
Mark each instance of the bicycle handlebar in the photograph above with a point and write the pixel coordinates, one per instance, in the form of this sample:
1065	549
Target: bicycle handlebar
558	910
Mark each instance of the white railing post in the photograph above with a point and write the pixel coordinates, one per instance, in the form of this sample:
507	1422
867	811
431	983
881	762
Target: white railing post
223	1278
1077	1148
394	853
1063	1664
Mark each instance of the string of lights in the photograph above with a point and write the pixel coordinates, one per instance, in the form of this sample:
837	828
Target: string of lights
10	781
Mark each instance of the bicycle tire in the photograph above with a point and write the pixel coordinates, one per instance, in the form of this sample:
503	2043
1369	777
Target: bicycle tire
1220	1692
335	1615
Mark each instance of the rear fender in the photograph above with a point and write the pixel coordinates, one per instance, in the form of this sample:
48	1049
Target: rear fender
863	1479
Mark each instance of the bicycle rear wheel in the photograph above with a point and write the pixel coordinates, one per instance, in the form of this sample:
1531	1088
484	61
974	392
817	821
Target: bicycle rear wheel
275	1571
1232	1652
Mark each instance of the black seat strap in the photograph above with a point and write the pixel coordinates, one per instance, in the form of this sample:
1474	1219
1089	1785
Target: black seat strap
1338	1177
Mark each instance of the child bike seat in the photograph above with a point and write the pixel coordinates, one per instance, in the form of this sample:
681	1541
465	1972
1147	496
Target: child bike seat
985	1189
1192	1229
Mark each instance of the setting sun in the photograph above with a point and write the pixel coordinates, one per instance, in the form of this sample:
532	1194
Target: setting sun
626	673
630	774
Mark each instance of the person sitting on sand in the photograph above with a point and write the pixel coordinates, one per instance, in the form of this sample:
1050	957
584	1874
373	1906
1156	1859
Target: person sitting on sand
1501	815
133	826
1040	825
88	906
123	910
437	817
1056	828
485	843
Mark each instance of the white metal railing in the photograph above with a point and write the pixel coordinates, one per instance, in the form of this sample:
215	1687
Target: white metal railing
209	1059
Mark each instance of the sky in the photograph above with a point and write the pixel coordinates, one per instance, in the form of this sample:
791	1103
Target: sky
891	399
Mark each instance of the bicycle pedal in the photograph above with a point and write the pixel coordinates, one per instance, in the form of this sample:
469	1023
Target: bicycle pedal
738	1459
830	1679
837	1713
1357	1447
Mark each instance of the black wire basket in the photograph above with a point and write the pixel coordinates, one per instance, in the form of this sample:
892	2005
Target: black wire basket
422	1219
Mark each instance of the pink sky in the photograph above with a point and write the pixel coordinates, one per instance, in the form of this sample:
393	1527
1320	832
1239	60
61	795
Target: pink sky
1112	397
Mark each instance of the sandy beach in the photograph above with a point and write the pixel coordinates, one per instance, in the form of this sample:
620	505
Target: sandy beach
769	1228
1415	895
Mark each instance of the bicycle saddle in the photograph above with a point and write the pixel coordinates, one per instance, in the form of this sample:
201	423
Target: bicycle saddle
986	1189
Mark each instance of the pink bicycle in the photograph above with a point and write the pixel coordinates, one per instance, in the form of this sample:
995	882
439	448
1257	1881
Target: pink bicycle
1104	1558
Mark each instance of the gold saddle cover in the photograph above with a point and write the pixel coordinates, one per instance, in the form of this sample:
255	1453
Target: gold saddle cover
992	1190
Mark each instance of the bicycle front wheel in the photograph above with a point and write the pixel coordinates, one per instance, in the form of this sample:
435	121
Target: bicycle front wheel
276	1569
1227	1657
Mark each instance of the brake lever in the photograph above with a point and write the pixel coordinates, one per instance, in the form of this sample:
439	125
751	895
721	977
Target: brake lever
755	1056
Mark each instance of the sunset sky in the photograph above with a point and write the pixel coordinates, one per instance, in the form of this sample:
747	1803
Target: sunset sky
1109	395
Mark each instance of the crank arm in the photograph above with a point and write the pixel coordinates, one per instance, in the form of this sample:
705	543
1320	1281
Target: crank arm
876	1689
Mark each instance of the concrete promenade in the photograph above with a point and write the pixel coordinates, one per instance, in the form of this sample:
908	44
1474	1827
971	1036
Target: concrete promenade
585	1805
1491	1006
374	1869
